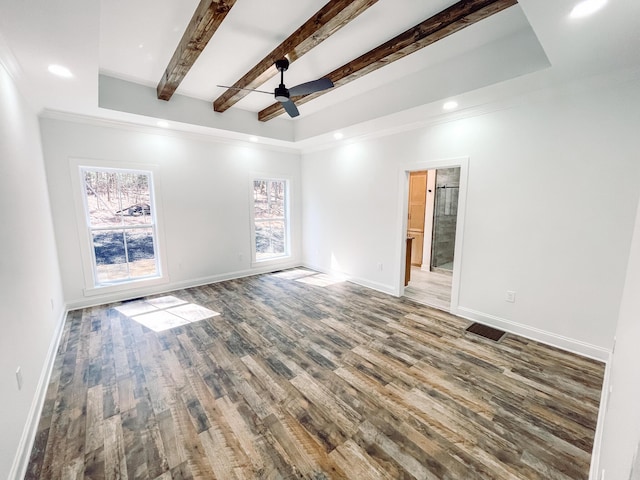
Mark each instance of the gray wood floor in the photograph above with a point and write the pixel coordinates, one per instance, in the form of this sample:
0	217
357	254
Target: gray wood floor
431	288
302	378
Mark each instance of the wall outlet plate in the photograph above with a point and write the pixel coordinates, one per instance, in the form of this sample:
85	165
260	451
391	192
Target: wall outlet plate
510	296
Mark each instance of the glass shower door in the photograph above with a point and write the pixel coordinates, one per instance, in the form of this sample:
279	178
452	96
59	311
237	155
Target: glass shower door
445	217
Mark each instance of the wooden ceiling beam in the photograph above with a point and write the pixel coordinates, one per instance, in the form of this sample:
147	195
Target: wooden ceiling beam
205	21
324	23
455	18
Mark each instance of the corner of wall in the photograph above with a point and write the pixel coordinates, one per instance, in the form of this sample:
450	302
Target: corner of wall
602	411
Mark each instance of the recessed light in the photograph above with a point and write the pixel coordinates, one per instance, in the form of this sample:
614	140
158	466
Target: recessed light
338	135
162	123
253	139
60	71
586	8
450	105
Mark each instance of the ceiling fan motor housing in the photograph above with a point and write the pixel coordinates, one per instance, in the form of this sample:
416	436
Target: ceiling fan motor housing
281	93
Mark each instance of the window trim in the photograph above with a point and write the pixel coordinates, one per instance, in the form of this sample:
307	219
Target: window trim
287	219
93	288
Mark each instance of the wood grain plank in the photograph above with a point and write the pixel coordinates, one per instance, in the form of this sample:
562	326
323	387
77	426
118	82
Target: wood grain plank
351	458
373	438
197	463
94	426
205	21
114	456
296	380
343	416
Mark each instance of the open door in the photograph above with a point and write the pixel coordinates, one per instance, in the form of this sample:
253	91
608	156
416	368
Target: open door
416	219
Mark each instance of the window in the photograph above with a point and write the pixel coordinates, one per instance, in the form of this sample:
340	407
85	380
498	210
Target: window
270	219
120	217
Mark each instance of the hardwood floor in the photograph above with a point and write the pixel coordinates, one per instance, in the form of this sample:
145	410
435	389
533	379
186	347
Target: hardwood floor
431	288
313	380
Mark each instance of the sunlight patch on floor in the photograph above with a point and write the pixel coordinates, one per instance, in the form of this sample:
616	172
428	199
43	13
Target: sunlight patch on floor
164	313
293	274
309	277
320	280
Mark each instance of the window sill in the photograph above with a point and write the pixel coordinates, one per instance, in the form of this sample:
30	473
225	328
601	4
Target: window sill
125	286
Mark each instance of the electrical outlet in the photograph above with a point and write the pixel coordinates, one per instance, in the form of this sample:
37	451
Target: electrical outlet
19	377
240	257
511	296
380	266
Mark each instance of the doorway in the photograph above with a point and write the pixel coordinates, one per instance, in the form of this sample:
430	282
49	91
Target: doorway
433	219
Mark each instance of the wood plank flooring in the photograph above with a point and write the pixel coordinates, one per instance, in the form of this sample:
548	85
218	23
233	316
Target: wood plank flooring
431	288
313	381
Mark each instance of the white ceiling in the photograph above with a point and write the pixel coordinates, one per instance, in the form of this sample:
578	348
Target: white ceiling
133	41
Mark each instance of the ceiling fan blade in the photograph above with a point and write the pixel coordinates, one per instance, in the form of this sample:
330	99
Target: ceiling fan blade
247	89
311	87
290	108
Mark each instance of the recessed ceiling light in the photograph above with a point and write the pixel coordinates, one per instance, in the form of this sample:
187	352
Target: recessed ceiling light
450	105
586	8
60	71
338	135
162	123
253	139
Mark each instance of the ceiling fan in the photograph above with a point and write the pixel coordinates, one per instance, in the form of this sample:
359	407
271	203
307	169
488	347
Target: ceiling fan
284	94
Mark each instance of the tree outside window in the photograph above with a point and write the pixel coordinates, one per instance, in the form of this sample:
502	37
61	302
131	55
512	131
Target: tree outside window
270	211
121	220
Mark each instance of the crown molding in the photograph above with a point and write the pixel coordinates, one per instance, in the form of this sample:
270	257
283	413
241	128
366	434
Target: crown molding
220	138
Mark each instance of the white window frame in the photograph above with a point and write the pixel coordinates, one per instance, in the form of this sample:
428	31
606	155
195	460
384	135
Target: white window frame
92	287
287	219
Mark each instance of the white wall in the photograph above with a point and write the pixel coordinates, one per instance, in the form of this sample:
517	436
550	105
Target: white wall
203	188
31	306
553	183
621	428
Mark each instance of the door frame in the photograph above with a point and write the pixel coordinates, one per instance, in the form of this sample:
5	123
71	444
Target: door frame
403	211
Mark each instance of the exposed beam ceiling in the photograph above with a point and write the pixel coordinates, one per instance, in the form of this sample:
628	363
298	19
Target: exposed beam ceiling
325	22
450	20
205	21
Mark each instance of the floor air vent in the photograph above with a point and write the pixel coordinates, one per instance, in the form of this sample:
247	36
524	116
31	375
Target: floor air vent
486	332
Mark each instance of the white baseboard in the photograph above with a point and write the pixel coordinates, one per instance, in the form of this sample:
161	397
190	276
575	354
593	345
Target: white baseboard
21	460
548	338
380	287
95	300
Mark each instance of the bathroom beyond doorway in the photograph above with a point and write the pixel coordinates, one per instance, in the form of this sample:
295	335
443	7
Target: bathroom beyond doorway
431	224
